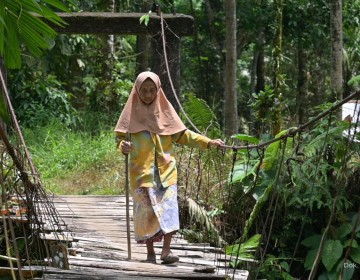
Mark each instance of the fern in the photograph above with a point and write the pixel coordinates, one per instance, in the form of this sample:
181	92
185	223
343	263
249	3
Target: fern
201	115
200	215
317	143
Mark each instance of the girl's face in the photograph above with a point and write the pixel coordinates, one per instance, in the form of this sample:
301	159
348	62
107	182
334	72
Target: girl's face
148	91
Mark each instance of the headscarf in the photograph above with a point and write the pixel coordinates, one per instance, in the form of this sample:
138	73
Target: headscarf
159	117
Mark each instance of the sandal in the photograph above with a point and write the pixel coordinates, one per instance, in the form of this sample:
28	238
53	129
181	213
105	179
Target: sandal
170	259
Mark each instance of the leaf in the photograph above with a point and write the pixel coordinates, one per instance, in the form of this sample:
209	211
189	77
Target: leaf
241	171
244	250
347	268
287	276
343	230
353	242
353	221
333	250
145	18
247	138
310	259
256	210
3	110
355	255
273	150
312	241
252	242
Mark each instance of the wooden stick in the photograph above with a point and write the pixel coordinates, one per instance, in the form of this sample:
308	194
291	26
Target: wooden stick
127	201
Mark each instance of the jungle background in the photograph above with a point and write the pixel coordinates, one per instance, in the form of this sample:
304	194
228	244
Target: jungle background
251	70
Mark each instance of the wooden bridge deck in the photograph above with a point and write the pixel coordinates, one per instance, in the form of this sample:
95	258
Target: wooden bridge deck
99	249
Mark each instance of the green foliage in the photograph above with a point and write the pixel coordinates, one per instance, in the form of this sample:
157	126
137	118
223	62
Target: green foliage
99	81
263	188
266	105
243	251
354	81
307	177
276	268
4	114
145	18
19	24
202	116
38	98
246	138
335	248
200	215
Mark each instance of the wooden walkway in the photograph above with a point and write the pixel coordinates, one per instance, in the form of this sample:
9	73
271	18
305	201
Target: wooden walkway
99	247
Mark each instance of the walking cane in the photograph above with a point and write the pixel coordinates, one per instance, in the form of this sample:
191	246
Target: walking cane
127	200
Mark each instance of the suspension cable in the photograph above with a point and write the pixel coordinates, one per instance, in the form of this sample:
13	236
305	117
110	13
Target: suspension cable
169	76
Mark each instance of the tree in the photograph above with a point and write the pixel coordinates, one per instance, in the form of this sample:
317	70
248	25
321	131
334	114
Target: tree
142	44
231	114
337	48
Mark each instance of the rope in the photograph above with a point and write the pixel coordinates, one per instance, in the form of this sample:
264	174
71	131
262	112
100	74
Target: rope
169	76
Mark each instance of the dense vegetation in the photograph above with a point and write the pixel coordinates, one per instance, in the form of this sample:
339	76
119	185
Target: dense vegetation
68	102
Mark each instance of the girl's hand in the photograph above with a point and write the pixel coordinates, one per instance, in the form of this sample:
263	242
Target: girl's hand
216	143
125	147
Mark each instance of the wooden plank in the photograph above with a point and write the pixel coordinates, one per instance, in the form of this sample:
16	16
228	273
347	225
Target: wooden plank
99	226
25	271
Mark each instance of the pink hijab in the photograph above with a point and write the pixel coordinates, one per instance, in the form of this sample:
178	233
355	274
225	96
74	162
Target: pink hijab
158	117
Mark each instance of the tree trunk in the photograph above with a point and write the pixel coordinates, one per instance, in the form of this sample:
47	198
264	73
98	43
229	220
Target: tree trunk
253	71
337	47
301	98
143	44
210	17
276	117
258	77
231	114
260	66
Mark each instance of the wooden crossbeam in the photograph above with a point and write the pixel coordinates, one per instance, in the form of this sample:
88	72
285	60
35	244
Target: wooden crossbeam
123	23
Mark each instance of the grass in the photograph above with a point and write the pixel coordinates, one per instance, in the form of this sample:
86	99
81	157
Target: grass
76	162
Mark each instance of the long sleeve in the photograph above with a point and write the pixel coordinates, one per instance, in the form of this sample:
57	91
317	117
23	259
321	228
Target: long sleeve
191	139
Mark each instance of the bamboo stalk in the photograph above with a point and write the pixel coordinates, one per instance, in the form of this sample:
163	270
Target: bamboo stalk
7	258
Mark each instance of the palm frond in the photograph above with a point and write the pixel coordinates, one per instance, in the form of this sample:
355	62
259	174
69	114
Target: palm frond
19	24
200	215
